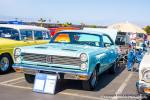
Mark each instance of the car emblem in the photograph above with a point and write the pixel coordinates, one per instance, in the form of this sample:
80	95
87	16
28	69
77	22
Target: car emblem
49	59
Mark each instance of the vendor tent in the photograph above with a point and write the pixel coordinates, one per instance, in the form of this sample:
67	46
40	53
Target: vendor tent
127	27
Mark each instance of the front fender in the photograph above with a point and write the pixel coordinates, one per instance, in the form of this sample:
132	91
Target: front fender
94	61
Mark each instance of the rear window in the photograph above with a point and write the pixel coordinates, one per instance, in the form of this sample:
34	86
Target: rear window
120	38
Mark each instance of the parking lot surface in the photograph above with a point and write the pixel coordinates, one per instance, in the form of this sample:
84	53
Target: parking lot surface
120	86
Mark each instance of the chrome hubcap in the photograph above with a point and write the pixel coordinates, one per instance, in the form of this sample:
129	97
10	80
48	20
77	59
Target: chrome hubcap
4	63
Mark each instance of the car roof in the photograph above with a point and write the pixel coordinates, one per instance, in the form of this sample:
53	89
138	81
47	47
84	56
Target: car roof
23	27
85	31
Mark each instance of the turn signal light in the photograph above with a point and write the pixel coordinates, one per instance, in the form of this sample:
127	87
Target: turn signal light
83	77
147	90
20	70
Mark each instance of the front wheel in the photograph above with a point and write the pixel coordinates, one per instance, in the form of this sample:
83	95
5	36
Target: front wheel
5	63
113	68
29	78
92	82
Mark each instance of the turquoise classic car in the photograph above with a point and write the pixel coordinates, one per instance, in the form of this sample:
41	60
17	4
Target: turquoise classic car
76	54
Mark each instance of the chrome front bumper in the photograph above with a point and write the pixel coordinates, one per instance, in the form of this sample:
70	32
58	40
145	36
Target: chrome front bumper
142	86
62	73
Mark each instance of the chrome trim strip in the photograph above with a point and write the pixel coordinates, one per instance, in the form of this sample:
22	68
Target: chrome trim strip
50	69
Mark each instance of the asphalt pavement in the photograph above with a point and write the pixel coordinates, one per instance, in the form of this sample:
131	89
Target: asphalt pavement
120	86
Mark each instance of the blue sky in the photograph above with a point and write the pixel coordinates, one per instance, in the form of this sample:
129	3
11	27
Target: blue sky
99	12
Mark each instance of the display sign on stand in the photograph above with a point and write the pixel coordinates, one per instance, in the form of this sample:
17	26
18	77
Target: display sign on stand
45	83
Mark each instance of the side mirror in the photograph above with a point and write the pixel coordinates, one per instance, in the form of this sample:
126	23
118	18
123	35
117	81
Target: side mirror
107	45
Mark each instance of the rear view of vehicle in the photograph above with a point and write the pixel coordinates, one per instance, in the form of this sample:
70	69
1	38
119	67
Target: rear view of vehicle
122	40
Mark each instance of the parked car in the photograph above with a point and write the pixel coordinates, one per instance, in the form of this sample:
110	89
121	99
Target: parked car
12	36
143	85
77	54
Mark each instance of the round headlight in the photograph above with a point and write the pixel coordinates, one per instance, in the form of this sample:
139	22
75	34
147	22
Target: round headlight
17	59
17	52
83	57
146	76
83	66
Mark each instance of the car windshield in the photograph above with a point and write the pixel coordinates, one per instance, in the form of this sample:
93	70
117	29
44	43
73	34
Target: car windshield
121	38
77	38
9	33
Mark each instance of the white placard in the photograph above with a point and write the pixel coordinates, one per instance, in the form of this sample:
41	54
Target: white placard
45	83
50	84
39	85
39	82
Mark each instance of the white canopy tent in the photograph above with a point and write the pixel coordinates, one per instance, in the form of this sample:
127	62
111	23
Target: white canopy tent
127	27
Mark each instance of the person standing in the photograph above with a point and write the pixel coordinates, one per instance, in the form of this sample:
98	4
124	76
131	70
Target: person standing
138	56
131	58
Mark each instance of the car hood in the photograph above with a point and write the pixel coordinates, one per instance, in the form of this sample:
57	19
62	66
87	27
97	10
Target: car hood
71	50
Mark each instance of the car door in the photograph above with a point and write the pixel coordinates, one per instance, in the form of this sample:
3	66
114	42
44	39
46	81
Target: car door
41	37
110	49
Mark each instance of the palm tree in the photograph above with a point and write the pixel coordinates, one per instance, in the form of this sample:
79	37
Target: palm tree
67	24
58	23
41	20
82	24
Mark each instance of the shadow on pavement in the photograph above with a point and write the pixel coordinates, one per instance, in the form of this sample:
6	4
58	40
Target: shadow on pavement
11	71
146	98
105	79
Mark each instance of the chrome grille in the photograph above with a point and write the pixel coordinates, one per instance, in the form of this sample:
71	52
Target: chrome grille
51	59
